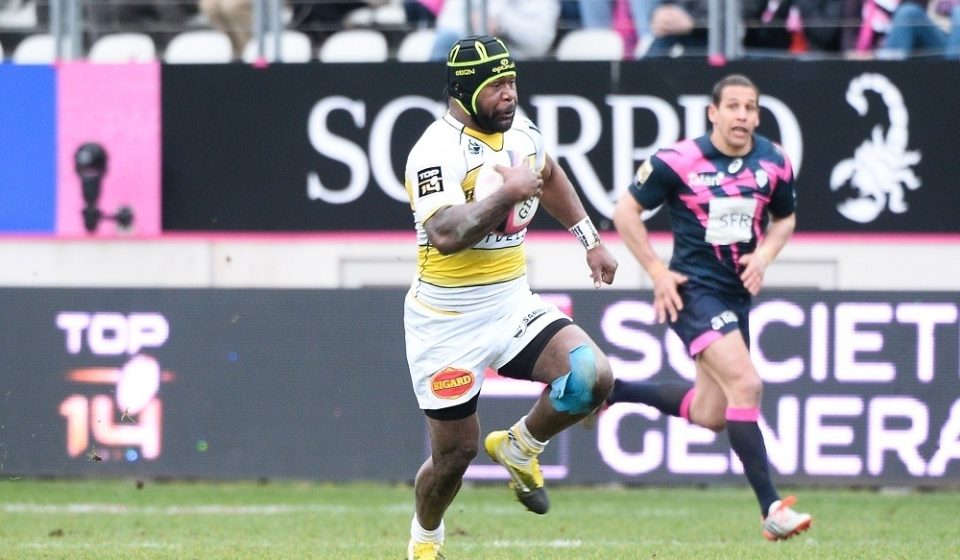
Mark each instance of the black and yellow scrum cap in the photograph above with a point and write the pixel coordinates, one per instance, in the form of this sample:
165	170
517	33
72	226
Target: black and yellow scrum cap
473	63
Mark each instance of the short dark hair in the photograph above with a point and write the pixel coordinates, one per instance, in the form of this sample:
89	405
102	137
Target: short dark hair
732	80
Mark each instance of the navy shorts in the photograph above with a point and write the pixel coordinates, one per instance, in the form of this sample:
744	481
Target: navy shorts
709	314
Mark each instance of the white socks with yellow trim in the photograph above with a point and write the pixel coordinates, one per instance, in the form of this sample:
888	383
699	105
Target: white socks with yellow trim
419	534
522	446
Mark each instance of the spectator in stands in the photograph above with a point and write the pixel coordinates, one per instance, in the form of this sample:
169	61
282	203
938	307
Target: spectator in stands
680	26
634	28
233	17
422	13
771	27
528	27
159	18
317	18
874	25
826	25
675	30
320	18
569	15
918	27
163	16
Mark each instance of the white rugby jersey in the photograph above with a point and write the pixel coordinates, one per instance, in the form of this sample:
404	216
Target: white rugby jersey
441	171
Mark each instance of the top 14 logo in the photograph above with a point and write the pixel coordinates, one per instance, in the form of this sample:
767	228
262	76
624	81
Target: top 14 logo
125	412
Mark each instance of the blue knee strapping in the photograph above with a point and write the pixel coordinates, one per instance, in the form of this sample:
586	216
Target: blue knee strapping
573	392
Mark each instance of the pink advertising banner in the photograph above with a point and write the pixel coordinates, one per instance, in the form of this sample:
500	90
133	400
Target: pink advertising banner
118	107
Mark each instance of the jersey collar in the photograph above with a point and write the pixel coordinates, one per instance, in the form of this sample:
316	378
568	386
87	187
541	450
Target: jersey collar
494	140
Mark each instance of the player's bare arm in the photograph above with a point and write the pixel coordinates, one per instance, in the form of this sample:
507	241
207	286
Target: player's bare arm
560	200
559	197
755	263
455	228
629	223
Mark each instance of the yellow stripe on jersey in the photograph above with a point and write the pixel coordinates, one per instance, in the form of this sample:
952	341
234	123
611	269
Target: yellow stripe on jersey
473	267
494	139
470	183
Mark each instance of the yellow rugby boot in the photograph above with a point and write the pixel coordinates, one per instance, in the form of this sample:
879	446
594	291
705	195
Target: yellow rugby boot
526	481
424	551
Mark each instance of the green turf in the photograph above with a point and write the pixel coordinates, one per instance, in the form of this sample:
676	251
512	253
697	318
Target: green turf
99	520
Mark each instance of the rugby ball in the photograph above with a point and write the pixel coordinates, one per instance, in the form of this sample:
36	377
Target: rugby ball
487	182
138	383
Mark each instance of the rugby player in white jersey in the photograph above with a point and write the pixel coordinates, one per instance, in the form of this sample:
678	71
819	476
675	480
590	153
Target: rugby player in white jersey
470	306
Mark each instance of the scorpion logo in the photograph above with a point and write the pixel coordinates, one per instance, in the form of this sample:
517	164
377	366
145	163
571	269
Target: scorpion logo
881	166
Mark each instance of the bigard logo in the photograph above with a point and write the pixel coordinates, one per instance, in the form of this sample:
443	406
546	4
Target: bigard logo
452	383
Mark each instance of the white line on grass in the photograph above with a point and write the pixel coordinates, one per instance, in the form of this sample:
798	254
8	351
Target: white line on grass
123	509
221	509
62	545
557	543
508	509
576	544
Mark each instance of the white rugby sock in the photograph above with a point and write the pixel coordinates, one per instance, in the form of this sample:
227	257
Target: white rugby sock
420	534
523	446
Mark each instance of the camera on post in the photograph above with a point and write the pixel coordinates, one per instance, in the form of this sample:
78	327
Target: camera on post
90	160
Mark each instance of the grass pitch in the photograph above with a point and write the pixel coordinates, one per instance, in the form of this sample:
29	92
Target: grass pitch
98	520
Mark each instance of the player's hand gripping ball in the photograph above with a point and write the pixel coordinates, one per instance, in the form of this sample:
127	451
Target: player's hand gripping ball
488	181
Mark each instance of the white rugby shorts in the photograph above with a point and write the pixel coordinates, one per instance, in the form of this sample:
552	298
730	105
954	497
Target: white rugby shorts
448	352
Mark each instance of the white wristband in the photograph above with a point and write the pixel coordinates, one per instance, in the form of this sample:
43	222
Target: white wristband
586	233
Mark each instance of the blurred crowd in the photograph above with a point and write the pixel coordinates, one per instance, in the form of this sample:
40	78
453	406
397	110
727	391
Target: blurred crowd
533	28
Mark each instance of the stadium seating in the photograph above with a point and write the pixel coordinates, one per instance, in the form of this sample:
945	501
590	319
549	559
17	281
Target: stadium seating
389	14
416	46
18	14
360	17
590	44
354	45
199	47
35	49
123	47
295	46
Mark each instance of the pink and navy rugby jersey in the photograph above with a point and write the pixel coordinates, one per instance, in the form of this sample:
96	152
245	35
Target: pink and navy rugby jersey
718	204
